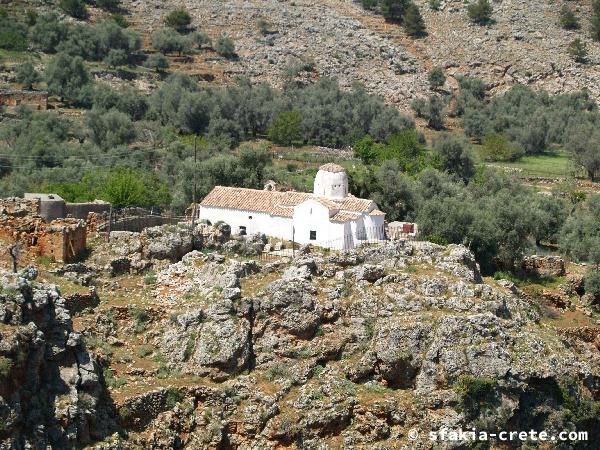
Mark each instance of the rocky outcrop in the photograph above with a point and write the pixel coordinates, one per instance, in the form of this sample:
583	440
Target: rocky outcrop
398	320
50	386
350	349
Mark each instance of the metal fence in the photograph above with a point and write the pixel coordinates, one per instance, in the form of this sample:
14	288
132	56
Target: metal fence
360	237
137	219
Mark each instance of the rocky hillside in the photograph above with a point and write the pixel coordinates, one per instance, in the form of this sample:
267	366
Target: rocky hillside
221	350
50	390
525	44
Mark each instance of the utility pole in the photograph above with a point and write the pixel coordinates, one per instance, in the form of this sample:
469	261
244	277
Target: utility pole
194	188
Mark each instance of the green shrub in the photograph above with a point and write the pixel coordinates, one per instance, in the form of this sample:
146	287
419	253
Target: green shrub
74	8
110	380
264	26
592	283
495	147
225	46
503	275
144	350
578	50
150	278
11	40
369	4
480	12
178	19
44	261
6	365
200	38
437	239
31	16
173	397
568	19
115	58
595	26
436	78
475	392
276	372
411	268
120	20
124	413
13	34
413	22
286	128
140	317
189	347
435	4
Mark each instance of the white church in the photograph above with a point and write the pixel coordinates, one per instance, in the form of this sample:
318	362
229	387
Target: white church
330	217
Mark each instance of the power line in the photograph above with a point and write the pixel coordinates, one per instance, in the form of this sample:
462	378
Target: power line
64	157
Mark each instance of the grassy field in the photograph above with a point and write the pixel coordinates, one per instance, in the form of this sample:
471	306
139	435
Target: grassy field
557	164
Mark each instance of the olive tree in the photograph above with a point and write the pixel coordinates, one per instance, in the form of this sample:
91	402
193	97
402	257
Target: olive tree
225	46
67	77
27	75
456	155
178	19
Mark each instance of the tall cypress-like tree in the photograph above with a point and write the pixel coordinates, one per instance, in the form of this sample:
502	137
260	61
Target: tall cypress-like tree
413	22
393	10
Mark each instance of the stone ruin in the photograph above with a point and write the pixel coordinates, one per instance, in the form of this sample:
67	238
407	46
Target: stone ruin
544	266
61	239
34	99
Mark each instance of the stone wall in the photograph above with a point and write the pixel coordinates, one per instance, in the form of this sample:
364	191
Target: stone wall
63	240
15	206
140	223
34	99
544	266
82	210
68	239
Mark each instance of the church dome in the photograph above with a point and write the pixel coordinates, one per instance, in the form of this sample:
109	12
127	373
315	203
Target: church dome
331	181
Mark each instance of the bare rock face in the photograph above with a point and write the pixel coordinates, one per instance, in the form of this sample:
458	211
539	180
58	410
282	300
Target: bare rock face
213	342
169	242
50	386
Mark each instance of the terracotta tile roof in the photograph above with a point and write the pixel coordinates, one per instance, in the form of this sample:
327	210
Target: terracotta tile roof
283	211
352	203
272	202
282	203
329	204
344	216
376	212
331	167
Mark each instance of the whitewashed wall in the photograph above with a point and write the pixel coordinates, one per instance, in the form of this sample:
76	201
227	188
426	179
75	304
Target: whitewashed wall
312	216
279	227
308	216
